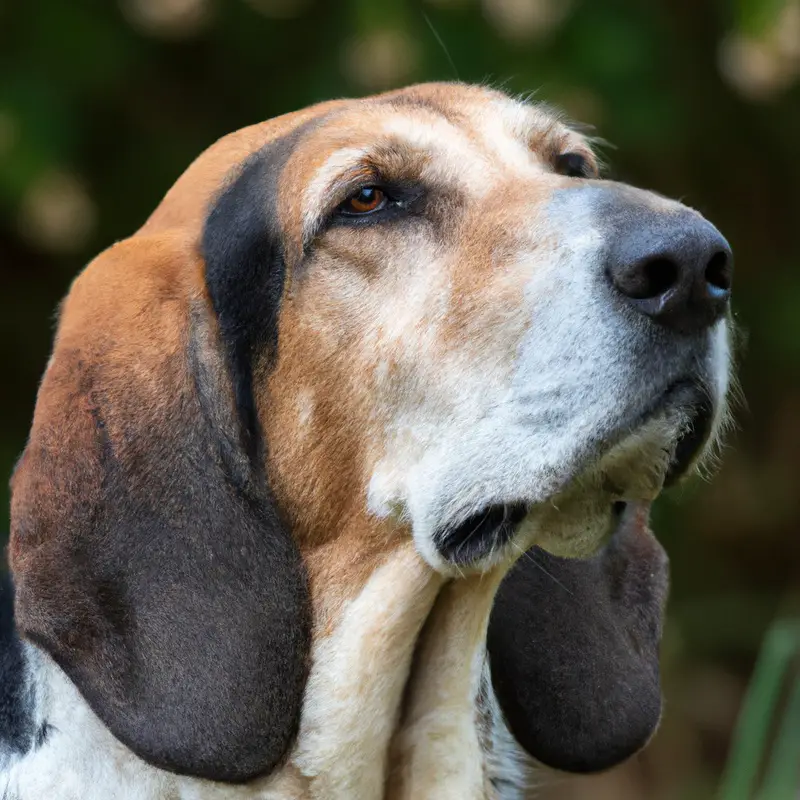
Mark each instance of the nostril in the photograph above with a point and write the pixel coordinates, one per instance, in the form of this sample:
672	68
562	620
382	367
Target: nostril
653	278
718	272
662	275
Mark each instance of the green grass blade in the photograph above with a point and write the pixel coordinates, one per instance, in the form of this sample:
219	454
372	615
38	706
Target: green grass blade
782	780
753	728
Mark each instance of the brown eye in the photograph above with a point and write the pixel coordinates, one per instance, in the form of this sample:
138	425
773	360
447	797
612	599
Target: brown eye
364	201
573	165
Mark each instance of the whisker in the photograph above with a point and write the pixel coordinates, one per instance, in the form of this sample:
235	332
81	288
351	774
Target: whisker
442	45
474	530
527	554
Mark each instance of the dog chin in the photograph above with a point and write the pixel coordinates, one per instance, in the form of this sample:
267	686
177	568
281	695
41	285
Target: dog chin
578	520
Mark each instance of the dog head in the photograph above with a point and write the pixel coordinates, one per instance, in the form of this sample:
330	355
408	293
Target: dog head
421	315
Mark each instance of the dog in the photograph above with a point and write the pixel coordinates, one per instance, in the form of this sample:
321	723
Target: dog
339	475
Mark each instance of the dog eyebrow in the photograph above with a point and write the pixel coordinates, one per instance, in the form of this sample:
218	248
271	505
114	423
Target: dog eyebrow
392	160
316	200
409	144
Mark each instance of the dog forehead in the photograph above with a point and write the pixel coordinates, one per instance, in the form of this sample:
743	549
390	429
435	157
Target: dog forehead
454	121
447	121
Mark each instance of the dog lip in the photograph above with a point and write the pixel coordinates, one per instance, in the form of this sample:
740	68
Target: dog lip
690	395
479	534
693	398
692	442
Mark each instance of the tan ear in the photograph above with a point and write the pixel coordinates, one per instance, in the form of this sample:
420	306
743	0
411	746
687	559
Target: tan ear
149	557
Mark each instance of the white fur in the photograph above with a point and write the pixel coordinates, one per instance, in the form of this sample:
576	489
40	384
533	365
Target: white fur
351	713
352	699
510	770
457	160
314	194
80	759
549	426
505	128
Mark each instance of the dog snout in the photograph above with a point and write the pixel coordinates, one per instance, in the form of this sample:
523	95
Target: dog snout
672	266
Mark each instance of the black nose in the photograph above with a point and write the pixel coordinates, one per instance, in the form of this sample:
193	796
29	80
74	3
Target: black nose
674	267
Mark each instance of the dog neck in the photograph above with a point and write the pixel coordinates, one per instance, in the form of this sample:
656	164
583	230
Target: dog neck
437	750
358	674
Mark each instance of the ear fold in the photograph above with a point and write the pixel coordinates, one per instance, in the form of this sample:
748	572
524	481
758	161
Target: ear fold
150	559
573	649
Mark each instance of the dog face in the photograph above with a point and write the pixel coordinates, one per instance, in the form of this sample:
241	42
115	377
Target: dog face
453	345
416	317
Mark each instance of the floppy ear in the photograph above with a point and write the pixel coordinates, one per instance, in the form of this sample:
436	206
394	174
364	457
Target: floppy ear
573	649
150	559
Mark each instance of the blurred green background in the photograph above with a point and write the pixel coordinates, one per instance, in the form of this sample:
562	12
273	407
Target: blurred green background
103	104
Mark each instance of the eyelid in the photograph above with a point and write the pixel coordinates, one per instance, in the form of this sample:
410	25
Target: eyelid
386	191
574	161
401	199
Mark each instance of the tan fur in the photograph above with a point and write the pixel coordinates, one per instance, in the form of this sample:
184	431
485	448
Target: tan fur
102	319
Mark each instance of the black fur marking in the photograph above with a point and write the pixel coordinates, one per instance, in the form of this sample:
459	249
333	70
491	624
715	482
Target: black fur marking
245	271
43	735
573	647
16	712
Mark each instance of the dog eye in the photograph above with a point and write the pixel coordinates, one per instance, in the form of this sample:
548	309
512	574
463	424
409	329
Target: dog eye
573	165
366	200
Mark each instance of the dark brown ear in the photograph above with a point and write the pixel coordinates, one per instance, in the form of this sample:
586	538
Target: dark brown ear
573	648
150	559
